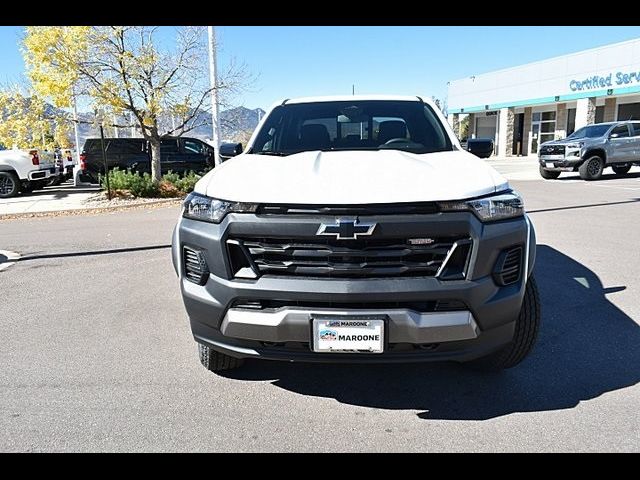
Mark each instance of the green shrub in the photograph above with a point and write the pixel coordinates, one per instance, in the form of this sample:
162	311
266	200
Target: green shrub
171	184
187	183
138	185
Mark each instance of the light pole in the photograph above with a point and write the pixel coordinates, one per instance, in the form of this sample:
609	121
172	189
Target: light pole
215	124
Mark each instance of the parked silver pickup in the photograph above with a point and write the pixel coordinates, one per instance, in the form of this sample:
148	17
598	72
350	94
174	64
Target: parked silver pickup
589	150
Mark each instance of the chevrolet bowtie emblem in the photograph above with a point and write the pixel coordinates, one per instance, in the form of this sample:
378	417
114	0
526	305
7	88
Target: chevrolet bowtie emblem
346	229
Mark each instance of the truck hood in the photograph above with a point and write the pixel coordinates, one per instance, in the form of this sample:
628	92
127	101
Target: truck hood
566	141
351	177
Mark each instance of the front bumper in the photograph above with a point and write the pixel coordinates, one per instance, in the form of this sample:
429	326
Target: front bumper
559	163
284	333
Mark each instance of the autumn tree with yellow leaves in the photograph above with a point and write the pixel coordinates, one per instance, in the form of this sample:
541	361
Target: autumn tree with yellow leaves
27	124
123	71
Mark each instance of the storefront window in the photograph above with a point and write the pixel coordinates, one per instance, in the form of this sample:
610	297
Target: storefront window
543	127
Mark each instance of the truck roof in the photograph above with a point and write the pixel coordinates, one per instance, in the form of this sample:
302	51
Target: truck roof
346	98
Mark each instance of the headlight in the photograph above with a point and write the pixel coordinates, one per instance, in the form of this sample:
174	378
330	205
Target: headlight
576	145
489	209
207	209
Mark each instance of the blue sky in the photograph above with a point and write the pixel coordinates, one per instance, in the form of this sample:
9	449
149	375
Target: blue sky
297	61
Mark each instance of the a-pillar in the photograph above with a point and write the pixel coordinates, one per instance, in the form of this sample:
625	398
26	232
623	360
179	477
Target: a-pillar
585	112
505	131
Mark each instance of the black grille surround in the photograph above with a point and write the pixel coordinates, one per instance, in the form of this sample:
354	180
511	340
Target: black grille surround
361	258
552	150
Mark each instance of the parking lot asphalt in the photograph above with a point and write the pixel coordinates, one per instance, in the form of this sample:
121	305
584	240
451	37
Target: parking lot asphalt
97	354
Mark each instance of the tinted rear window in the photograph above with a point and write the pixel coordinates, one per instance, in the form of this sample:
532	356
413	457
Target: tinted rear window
125	146
91	145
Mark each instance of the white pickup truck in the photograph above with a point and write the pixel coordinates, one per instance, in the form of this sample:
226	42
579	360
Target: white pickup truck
25	171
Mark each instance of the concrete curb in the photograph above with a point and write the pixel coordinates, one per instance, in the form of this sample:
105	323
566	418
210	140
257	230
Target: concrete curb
88	210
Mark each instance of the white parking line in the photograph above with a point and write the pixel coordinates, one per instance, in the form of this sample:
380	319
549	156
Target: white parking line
11	259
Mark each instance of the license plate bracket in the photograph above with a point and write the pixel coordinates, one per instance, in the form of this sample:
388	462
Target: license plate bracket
348	333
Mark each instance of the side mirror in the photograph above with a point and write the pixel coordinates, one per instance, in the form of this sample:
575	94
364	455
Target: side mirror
228	150
480	147
614	135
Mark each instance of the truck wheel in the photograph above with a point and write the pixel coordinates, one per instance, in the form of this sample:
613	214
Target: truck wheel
622	169
592	168
524	337
216	361
549	174
9	185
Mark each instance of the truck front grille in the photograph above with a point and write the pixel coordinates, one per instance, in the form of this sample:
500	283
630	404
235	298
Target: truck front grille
552	150
355	258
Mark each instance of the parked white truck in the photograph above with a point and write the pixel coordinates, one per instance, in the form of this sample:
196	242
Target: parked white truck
25	171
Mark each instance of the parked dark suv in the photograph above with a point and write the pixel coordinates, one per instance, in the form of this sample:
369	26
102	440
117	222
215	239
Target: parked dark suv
179	155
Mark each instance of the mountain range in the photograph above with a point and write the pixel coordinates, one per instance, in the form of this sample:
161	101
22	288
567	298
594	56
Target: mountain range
235	125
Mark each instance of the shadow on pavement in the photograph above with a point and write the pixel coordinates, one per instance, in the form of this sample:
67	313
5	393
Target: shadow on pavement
587	347
60	191
605	176
89	253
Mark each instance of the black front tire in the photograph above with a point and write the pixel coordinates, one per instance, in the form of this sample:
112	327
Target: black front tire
9	184
216	361
591	168
621	170
548	174
524	336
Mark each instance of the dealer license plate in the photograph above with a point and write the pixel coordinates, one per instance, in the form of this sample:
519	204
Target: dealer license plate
549	164
348	334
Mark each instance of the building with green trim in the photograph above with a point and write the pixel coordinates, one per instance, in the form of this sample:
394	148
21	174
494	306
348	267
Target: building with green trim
524	106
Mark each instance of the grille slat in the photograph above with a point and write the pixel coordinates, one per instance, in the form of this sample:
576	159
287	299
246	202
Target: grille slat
346	258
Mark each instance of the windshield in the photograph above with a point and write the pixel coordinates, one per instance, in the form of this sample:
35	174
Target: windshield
591	131
352	125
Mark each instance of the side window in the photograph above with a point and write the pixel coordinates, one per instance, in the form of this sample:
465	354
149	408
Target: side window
92	146
269	133
121	146
169	145
620	131
636	129
192	146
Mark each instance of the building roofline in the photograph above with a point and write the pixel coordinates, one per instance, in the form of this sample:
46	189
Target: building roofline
593	49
